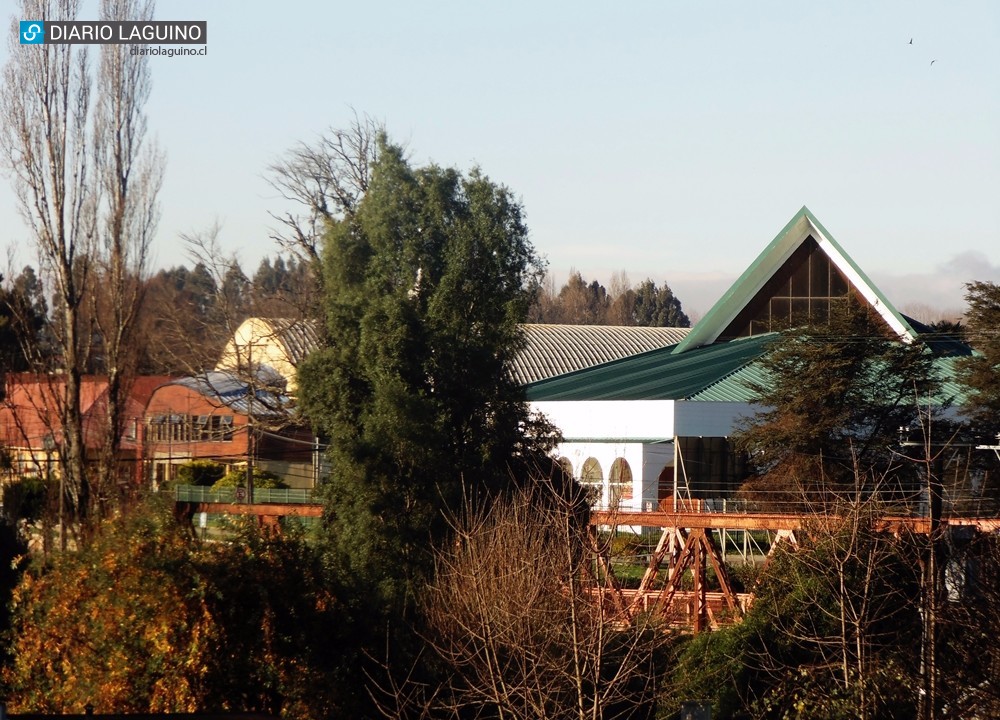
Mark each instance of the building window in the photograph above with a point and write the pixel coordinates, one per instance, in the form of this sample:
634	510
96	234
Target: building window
175	428
710	467
202	430
592	479
805	290
620	482
224	428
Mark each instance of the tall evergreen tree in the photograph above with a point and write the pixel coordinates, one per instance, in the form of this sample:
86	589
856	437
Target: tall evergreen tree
656	306
426	285
23	313
835	397
981	372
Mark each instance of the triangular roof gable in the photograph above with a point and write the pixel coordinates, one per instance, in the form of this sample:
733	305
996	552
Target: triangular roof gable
801	227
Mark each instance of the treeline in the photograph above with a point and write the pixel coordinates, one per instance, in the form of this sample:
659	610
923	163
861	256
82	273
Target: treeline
188	313
579	302
184	317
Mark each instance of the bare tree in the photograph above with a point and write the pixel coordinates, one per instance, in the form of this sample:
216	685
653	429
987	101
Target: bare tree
842	609
970	622
326	179
622	308
522	626
130	171
47	147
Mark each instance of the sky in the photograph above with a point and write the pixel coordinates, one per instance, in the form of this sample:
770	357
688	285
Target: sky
671	140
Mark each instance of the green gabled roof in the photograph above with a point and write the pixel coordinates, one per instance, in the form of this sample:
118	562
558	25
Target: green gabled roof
735	387
770	261
655	375
952	391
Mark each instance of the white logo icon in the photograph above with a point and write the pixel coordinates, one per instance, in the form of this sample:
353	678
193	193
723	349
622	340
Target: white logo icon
32	32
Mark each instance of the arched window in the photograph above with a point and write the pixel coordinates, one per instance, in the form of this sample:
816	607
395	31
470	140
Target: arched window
567	465
620	482
592	478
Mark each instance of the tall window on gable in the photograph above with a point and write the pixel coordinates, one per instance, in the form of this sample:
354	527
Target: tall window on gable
802	291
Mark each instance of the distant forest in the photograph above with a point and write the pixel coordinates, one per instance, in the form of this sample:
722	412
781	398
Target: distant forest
189	312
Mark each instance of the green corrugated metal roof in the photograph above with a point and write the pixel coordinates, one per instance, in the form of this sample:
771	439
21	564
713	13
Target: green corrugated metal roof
655	375
735	387
952	391
716	373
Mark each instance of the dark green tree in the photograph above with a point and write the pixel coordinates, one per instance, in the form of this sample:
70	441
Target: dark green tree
13	551
969	659
948	329
835	397
200	472
658	306
23	314
283	288
28	285
579	302
234	295
426	284
271	279
833	632
981	372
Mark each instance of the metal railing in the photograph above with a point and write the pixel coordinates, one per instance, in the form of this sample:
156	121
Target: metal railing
956	504
284	496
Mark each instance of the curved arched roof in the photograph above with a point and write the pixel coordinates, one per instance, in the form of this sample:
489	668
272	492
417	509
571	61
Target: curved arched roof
558	349
550	350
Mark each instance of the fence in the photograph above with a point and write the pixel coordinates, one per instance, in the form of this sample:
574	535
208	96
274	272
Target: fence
284	496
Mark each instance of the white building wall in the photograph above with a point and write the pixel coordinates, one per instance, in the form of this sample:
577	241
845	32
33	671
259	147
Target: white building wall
606	454
609	429
646	461
709	419
611	419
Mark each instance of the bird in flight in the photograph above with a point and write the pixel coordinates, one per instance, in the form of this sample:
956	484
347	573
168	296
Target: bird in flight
911	41
933	61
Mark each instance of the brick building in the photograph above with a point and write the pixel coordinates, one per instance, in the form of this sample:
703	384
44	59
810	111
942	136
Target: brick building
232	420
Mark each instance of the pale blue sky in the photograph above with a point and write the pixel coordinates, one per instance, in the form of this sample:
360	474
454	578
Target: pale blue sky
667	139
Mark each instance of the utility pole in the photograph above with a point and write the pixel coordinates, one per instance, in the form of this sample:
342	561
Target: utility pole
316	461
929	581
251	407
931	586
